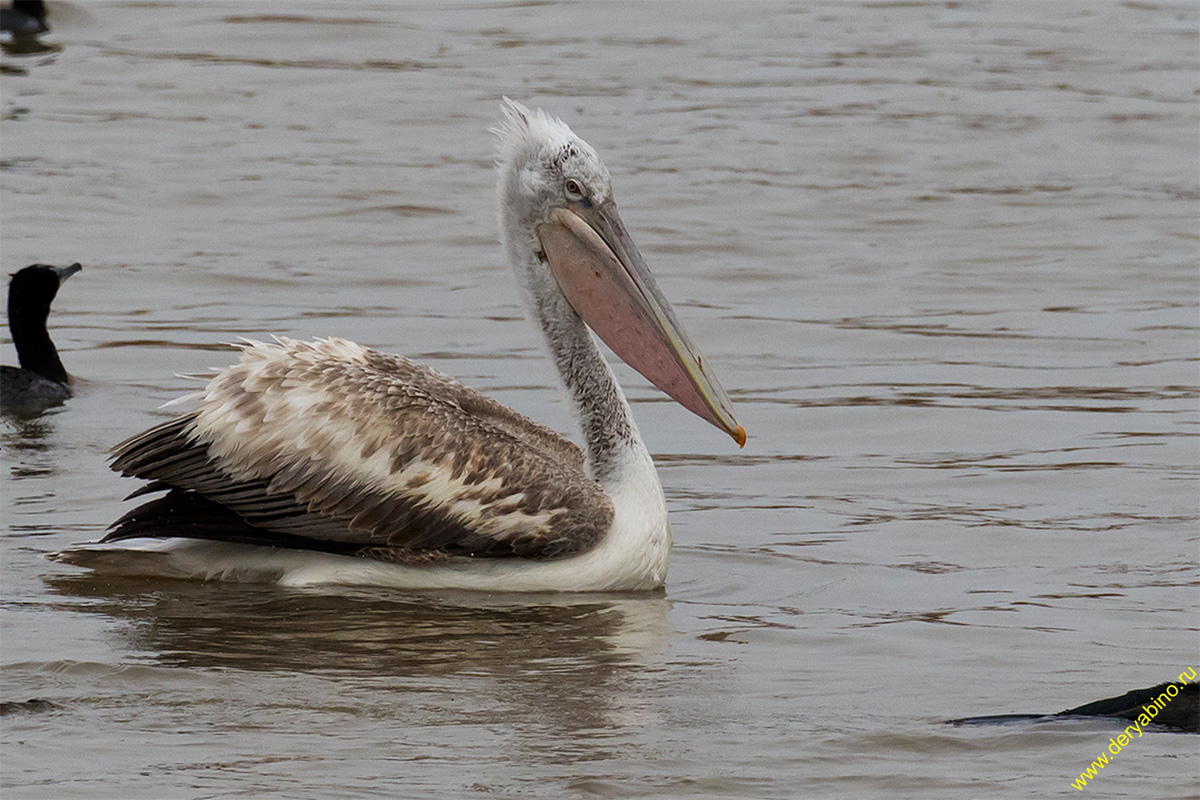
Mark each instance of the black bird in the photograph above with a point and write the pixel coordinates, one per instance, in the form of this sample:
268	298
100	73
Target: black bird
25	18
1177	710
40	381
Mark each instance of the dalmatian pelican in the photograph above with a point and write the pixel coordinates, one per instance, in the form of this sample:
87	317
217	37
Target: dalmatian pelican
326	461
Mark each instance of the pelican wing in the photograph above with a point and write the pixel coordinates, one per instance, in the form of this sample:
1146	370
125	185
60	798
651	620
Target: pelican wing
331	446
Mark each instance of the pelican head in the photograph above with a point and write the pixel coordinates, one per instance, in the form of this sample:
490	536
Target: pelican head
560	227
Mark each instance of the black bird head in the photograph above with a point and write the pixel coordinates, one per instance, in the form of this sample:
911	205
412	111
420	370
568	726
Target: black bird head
32	290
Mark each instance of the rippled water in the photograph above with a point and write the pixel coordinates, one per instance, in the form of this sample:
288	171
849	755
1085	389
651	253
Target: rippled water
943	255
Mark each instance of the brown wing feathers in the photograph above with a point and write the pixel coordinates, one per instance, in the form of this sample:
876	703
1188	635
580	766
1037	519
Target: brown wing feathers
462	475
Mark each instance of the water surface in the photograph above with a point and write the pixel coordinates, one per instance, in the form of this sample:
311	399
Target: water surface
943	255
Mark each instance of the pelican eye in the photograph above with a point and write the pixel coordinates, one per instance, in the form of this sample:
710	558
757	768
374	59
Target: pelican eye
573	189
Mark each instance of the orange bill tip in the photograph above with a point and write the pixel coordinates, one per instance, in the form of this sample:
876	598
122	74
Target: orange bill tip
739	436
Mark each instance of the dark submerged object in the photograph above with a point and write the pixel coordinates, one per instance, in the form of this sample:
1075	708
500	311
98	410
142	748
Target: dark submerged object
24	18
40	381
1180	713
34	706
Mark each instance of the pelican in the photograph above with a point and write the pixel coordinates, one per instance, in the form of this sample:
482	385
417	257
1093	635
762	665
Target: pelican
326	461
